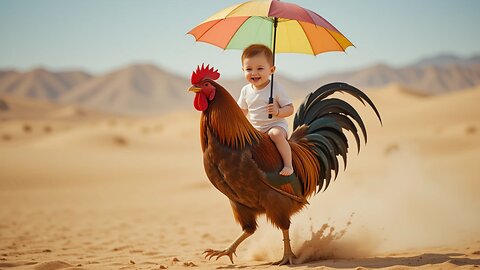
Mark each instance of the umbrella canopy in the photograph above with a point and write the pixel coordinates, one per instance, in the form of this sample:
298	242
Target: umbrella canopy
299	30
282	26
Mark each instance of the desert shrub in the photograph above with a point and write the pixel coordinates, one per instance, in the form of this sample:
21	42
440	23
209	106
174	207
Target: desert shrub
393	147
6	137
27	128
471	130
4	105
80	112
119	140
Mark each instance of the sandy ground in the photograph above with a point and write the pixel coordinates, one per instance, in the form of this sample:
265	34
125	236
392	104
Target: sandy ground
82	191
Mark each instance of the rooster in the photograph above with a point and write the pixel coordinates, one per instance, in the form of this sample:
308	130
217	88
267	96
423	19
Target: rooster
243	163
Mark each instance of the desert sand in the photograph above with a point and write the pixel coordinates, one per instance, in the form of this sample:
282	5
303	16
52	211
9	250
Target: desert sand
86	190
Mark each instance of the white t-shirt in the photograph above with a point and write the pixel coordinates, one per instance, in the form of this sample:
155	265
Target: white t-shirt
256	102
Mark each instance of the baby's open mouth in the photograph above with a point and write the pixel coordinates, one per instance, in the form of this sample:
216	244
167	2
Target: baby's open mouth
255	79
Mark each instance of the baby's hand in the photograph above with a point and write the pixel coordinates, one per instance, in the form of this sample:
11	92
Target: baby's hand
273	109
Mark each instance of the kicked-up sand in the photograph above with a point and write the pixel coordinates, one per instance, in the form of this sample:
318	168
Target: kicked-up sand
84	190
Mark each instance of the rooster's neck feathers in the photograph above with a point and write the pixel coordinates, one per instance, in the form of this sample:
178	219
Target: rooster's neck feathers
226	121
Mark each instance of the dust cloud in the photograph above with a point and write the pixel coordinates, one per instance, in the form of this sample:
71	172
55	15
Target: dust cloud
409	203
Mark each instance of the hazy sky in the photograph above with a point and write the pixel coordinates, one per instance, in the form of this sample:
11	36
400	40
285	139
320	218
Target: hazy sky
100	36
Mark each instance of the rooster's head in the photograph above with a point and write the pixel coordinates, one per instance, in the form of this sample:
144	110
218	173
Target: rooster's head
202	86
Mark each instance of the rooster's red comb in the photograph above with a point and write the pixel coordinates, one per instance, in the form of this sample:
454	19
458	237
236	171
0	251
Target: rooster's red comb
203	73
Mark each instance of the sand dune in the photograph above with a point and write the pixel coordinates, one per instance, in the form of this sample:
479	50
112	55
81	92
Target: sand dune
40	83
107	192
136	89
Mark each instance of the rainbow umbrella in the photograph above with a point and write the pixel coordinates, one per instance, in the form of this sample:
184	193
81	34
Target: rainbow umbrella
283	27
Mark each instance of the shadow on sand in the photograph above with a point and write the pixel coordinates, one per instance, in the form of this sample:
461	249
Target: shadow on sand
457	259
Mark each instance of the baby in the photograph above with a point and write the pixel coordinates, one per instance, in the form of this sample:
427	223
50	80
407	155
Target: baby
257	65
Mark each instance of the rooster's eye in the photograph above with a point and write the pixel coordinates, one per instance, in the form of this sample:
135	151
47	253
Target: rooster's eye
206	84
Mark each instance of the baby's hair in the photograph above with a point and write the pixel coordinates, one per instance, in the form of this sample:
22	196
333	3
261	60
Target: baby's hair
257	49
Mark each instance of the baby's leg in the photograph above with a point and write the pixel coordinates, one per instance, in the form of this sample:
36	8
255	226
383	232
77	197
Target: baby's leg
279	137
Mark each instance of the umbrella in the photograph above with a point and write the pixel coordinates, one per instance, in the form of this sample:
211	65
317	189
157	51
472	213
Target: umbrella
282	26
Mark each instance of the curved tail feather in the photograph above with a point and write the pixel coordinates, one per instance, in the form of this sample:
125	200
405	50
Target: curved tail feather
319	126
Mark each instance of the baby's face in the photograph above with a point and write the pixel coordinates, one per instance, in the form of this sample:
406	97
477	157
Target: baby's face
257	70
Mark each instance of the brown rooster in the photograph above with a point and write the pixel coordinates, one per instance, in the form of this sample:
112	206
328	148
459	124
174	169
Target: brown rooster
243	163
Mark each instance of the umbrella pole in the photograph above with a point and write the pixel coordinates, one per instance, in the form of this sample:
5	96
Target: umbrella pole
275	23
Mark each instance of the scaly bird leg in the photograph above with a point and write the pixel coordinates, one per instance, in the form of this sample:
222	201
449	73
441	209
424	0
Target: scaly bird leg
209	253
288	256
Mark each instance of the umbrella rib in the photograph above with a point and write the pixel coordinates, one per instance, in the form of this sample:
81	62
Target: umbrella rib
308	14
236	31
218	21
316	26
235	9
336	41
308	39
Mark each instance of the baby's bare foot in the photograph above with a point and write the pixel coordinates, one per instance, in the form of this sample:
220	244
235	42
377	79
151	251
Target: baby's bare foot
286	171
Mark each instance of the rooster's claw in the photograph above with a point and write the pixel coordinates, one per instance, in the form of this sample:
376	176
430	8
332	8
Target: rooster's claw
288	258
210	253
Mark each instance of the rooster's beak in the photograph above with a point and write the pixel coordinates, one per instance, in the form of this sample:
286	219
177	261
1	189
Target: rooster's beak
195	89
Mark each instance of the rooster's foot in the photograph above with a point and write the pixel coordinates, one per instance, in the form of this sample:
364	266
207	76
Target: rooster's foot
210	253
288	258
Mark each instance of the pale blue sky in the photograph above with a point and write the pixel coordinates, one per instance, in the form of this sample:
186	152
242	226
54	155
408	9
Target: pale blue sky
100	36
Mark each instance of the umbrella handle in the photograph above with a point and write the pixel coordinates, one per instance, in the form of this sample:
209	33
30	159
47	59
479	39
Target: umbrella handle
275	23
270	101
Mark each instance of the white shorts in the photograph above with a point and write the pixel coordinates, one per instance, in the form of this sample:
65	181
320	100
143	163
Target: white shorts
281	124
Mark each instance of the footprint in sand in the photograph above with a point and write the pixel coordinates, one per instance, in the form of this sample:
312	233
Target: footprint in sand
120	248
208	236
52	265
151	253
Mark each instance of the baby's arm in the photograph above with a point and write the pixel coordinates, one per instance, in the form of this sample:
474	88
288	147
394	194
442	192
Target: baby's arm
282	112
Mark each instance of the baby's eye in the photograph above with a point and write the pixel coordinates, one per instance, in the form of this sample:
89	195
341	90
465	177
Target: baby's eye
248	69
260	68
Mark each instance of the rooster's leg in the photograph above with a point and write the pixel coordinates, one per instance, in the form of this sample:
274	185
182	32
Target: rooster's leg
209	253
288	256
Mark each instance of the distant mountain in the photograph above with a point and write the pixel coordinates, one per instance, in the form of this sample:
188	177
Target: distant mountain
447	60
72	78
431	76
441	60
39	83
134	89
144	88
373	76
